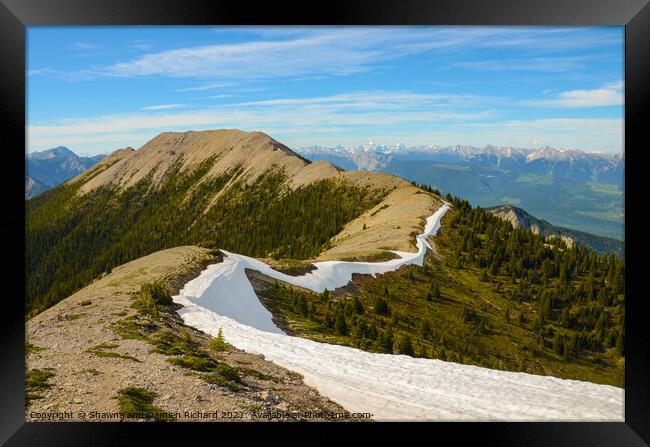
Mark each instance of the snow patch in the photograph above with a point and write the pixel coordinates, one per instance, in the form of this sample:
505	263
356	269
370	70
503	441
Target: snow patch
391	387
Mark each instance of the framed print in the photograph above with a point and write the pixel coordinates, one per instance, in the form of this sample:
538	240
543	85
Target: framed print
369	213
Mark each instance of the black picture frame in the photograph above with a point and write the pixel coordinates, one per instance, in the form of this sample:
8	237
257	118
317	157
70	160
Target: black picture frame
16	15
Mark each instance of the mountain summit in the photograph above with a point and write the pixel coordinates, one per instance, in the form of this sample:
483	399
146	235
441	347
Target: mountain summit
254	151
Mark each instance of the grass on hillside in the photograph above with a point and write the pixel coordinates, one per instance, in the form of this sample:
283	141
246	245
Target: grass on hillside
137	403
32	348
183	351
101	350
151	296
446	311
37	382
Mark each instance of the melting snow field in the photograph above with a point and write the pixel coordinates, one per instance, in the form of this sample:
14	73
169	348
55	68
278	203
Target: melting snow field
391	387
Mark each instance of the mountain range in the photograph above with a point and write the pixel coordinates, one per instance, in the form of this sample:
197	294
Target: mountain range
570	188
569	164
49	168
106	249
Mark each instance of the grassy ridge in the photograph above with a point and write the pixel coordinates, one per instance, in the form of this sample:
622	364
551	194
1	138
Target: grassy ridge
71	239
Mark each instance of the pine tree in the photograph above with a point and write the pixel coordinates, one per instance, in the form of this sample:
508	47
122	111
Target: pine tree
381	306
340	326
620	344
558	343
406	346
357	306
218	343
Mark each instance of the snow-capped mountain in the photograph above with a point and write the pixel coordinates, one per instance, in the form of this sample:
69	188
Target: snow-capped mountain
566	163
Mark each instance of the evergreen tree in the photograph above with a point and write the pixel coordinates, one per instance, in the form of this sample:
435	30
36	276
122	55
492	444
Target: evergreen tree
340	325
436	292
406	346
381	306
558	343
218	343
620	344
357	306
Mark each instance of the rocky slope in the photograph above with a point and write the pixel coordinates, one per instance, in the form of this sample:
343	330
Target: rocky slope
520	218
46	169
94	344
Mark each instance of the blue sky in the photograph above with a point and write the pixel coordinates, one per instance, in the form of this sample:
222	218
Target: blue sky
96	89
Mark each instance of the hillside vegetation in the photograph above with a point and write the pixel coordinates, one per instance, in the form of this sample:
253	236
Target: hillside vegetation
71	239
491	296
517	216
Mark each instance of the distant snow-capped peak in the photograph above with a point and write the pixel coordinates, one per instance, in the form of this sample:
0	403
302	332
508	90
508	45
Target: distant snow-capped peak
467	152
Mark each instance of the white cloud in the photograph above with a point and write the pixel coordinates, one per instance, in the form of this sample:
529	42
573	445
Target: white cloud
331	51
609	95
588	134
70	76
164	107
212	97
537	64
302	127
407	115
287	116
211	86
82	46
380	100
141	45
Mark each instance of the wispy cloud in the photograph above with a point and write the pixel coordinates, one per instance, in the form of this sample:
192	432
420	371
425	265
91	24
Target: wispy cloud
70	76
344	51
164	107
199	98
608	95
543	64
141	45
326	83
373	109
587	134
379	110
379	100
82	46
199	88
